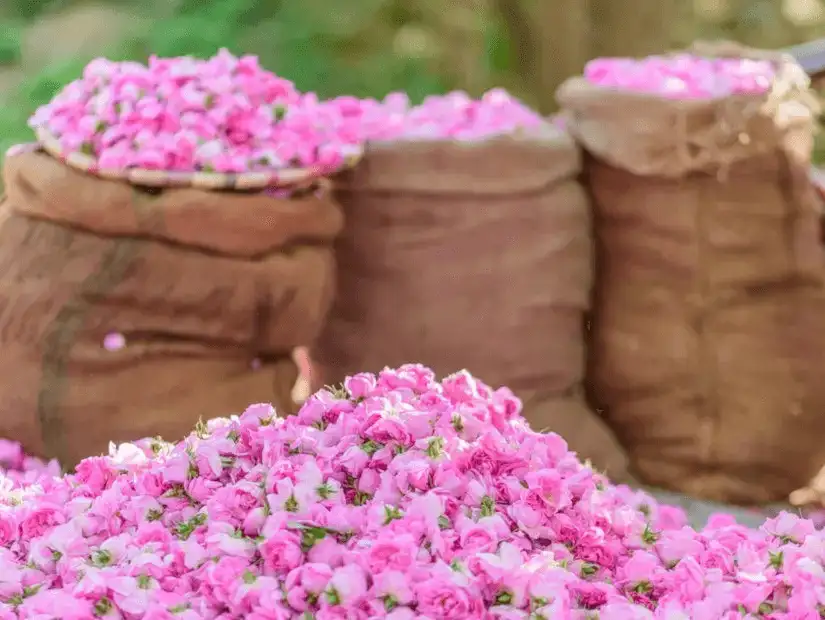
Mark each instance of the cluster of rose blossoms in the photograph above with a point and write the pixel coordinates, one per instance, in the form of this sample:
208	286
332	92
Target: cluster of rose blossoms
454	116
683	76
395	496
227	114
224	114
19	469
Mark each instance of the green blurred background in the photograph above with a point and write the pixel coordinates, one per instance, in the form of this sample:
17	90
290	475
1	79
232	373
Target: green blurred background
372	47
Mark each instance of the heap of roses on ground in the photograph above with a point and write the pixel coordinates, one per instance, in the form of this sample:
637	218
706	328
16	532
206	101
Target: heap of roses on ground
19	469
396	496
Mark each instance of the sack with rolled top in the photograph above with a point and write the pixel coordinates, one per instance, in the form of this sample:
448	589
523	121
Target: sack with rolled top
467	245
136	301
707	331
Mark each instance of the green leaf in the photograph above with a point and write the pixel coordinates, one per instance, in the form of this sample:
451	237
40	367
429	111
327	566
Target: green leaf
488	506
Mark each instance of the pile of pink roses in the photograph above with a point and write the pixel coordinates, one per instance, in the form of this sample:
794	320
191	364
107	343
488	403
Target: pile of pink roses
683	76
19	469
229	115
396	496
454	116
225	114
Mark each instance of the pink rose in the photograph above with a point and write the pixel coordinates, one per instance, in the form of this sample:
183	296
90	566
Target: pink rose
8	526
565	528
39	519
349	584
360	385
551	487
281	552
354	460
221	579
11	454
201	489
673	545
233	502
595	551
328	551
526	515
95	472
441	598
386	430
391	553
176	469
208	461
254	521
369	481
415	474
263	612
150	483
478	538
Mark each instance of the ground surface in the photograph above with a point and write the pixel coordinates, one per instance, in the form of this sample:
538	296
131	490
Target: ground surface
699	511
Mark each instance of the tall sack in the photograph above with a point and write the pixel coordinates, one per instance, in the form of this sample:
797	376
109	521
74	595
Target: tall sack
472	256
708	328
211	290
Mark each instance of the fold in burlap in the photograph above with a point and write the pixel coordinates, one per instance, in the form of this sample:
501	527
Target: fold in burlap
708	325
472	256
82	257
242	224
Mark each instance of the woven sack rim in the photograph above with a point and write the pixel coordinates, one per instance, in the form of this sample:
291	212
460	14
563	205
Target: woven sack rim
283	177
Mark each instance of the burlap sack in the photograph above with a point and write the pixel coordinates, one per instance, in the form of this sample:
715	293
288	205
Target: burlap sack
708	328
818	179
472	256
204	286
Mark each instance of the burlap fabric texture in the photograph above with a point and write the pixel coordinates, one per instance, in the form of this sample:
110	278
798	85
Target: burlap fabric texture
474	256
708	328
212	291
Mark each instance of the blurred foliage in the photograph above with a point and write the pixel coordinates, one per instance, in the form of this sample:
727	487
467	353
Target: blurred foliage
32	92
372	47
325	47
30	9
10	40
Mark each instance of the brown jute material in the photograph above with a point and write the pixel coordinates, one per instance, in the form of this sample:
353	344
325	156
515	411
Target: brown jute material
472	256
818	179
709	323
812	495
82	257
